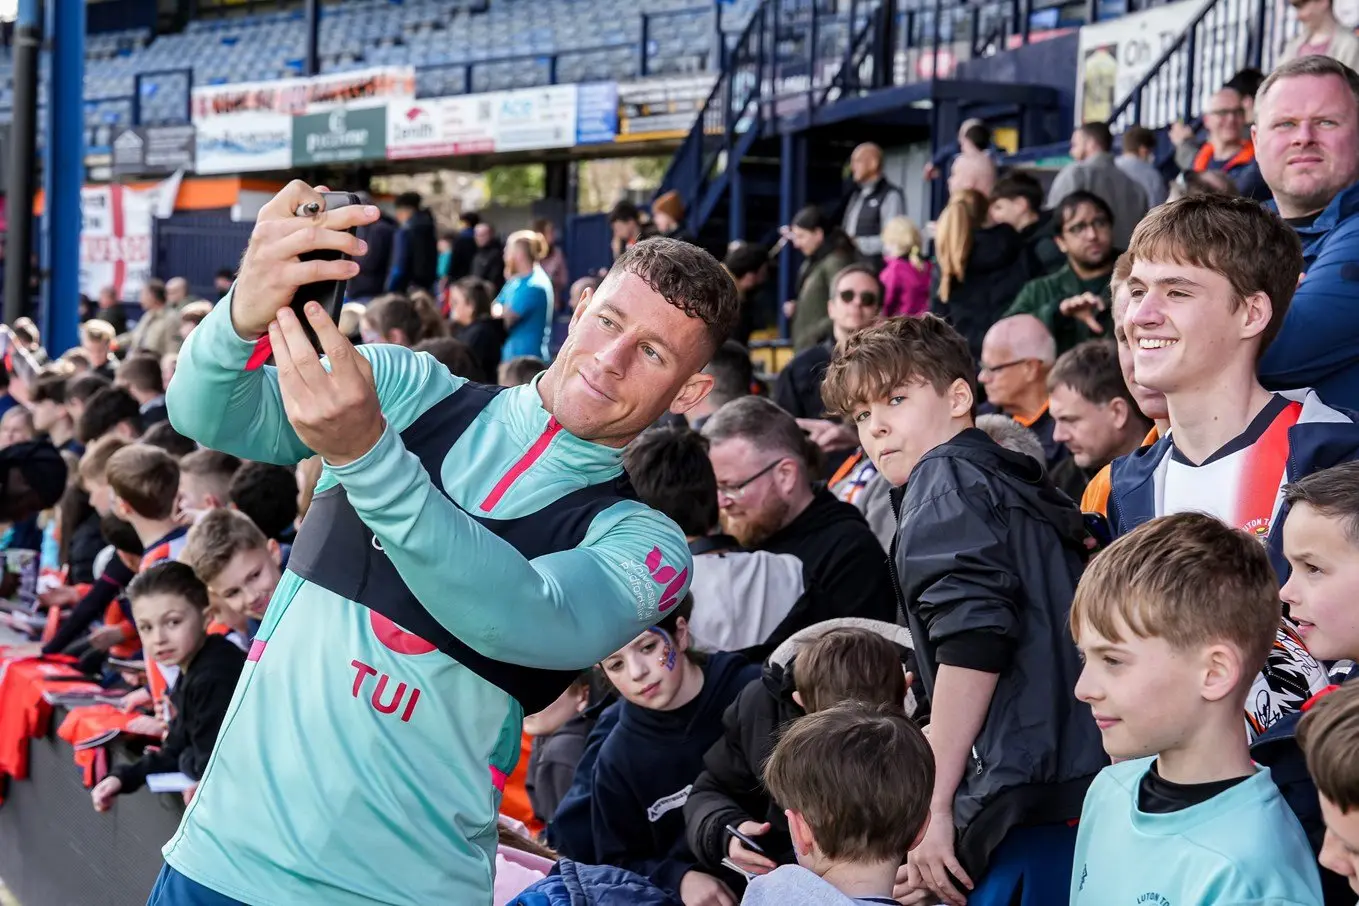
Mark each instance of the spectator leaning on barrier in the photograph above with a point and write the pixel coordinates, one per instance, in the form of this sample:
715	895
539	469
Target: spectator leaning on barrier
1307	134
1095	171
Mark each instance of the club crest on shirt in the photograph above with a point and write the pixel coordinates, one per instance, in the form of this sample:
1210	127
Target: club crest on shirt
1258	528
1152	898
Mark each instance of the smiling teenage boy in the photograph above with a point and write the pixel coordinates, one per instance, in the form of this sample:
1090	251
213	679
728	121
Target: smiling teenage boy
1211	281
987	557
1174	622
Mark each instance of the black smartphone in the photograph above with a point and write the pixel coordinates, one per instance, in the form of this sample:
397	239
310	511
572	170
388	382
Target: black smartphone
747	842
329	293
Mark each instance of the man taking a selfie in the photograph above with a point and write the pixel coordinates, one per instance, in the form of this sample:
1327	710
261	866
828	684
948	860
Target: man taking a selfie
469	549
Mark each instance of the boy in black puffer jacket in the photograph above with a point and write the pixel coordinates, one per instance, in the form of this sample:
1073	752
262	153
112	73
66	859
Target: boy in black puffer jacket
832	665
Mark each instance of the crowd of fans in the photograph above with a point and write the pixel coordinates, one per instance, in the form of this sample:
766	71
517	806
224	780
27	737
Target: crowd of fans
1083	487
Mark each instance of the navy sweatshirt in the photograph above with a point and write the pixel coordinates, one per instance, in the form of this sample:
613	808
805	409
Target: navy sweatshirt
646	768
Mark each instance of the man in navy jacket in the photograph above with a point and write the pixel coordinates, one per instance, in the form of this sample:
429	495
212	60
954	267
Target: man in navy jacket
1307	145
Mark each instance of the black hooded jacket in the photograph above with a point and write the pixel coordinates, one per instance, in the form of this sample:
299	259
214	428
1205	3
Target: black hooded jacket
730	789
987	557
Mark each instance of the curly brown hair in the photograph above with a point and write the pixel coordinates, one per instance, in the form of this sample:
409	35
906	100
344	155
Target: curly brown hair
688	278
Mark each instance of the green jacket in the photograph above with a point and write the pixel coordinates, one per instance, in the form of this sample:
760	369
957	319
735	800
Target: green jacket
1042	298
811	324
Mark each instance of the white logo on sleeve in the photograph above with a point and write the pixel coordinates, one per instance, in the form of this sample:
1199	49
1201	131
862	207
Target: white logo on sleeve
668	804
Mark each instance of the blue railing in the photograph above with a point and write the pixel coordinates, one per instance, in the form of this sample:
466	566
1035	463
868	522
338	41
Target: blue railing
798	55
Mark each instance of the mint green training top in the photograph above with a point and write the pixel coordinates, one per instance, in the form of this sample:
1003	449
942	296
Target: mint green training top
1242	847
348	772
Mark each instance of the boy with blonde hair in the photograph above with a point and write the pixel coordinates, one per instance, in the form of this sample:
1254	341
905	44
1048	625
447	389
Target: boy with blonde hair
1174	621
238	564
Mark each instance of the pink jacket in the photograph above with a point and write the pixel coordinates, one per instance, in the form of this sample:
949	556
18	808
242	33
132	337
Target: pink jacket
905	288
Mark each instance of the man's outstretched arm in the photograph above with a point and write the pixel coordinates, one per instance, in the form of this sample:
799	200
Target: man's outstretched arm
564	610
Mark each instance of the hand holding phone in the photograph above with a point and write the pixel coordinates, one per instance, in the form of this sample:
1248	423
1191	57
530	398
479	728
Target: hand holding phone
744	852
288	255
329	293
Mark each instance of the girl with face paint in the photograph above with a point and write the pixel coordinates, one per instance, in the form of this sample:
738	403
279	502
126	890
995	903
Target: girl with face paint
671	714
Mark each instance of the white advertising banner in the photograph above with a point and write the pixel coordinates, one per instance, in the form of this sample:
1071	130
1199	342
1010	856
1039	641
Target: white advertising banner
115	235
248	125
521	120
439	127
536	118
242	142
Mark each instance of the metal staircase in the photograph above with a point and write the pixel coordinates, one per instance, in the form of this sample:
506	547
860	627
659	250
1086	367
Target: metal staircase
798	59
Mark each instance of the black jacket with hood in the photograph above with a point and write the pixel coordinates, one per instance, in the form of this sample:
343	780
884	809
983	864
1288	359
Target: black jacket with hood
730	789
997	269
987	556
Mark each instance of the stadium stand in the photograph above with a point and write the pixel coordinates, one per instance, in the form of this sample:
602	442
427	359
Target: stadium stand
455	45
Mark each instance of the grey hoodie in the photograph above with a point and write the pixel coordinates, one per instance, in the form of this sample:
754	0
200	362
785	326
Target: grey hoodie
790	884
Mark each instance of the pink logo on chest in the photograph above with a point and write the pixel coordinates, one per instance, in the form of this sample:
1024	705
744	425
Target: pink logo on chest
665	575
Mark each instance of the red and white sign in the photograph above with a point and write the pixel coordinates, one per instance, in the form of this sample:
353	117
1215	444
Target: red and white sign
438	127
115	235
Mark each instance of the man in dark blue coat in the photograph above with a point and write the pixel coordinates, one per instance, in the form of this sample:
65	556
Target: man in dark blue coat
1307	145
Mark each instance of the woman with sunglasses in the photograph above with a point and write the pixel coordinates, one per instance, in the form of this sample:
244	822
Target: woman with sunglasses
1321	33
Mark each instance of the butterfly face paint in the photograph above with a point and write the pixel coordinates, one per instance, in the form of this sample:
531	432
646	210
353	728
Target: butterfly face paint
669	653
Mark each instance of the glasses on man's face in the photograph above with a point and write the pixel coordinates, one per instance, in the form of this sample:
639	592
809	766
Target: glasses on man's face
738	490
866	299
1099	225
997	369
1234	112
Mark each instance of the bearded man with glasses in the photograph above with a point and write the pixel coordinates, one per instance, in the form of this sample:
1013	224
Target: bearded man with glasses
768	500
